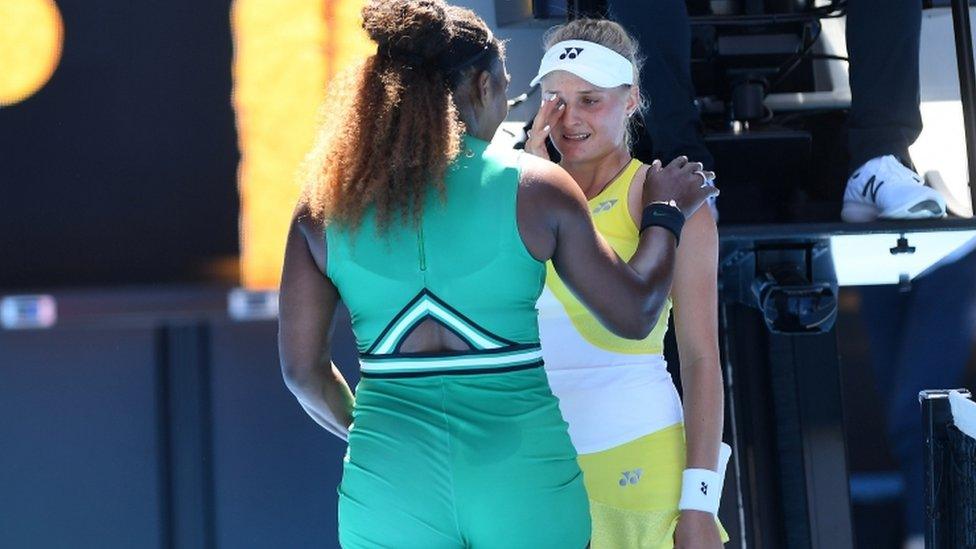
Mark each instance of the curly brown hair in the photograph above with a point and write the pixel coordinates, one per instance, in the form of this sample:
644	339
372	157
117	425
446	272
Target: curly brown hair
399	129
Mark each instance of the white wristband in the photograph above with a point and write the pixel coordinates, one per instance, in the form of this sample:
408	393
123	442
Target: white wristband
701	489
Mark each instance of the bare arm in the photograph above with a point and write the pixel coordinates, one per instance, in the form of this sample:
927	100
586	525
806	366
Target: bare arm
555	223
307	305
695	293
696	330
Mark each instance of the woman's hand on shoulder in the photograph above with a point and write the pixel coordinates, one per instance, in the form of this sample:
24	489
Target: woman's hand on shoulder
682	181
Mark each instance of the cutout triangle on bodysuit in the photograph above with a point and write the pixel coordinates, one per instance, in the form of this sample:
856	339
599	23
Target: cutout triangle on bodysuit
430	327
426	309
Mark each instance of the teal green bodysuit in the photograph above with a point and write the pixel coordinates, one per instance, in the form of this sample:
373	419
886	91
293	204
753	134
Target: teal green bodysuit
454	449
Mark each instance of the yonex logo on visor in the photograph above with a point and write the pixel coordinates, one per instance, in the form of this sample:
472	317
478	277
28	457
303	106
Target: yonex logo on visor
571	53
601	66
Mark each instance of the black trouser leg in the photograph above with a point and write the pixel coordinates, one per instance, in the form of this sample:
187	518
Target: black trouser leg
883	41
664	33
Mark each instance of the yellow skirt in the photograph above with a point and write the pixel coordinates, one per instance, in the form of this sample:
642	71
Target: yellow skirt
634	490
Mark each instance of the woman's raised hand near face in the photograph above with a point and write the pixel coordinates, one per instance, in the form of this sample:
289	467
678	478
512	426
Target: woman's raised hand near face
549	113
682	181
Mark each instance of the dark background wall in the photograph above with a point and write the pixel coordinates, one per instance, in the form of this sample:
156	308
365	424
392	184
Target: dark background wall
134	430
122	169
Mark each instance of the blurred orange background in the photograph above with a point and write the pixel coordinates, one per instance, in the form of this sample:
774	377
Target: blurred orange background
285	54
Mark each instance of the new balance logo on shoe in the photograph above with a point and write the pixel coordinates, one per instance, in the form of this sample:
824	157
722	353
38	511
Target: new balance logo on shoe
604	206
571	53
873	188
630	477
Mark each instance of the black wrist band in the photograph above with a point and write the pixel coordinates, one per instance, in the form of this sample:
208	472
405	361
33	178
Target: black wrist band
663	215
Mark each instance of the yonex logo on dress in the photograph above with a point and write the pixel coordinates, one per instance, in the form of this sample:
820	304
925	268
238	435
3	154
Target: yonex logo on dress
630	477
571	53
604	206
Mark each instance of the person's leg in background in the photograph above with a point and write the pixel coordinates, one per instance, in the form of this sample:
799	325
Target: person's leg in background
664	32
883	42
883	45
920	340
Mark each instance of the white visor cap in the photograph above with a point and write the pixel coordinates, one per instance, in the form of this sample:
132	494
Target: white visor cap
592	62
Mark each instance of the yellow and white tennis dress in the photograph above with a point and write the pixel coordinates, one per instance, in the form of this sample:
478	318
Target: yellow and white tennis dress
623	410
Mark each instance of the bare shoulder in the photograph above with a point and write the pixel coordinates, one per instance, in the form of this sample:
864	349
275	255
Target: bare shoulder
305	220
548	201
698	252
313	231
637	182
702	222
548	183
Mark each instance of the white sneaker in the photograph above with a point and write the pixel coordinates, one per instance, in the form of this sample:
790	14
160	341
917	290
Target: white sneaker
884	188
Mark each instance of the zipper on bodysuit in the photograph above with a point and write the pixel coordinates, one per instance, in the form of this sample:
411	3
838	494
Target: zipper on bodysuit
420	246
